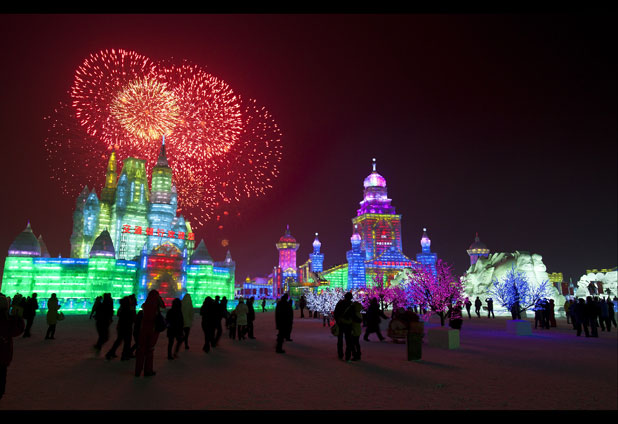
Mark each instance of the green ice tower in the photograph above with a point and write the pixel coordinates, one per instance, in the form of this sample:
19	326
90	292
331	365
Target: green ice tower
108	196
130	210
162	208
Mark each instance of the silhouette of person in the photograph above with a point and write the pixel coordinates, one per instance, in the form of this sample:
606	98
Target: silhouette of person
209	313
52	316
11	325
302	304
468	304
124	329
250	318
103	318
263	305
477	306
95	305
187	318
148	335
352	345
241	318
592	313
580	317
490	307
611	314
604	315
30	309
456	319
373	320
284	314
344	326
288	336
175	326
221	313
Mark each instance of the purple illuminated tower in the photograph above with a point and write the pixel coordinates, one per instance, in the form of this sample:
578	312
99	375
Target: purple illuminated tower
287	248
376	222
426	257
379	229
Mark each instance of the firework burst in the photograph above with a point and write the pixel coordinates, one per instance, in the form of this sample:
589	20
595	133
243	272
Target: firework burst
222	149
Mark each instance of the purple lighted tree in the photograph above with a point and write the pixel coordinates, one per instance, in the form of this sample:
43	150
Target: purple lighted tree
433	291
386	295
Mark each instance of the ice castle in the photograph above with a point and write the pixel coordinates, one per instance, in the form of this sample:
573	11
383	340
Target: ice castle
127	241
376	249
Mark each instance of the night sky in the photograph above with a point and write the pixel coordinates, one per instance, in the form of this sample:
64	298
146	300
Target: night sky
503	125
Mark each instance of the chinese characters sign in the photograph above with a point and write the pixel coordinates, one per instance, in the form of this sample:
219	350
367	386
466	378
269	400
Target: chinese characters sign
157	232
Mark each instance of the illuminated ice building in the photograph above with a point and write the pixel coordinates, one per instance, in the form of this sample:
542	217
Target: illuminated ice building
376	248
127	241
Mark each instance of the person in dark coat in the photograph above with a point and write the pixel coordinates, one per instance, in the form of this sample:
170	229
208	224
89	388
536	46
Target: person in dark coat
538	313
222	314
53	316
592	313
95	305
455	317
477	306
148	334
345	328
580	317
372	317
103	317
124	329
468	305
604	315
302	304
490	307
10	326
288	336
175	328
250	318
611	314
210	313
30	309
263	305
284	314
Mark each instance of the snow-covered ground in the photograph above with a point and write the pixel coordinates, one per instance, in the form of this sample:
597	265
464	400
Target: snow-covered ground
492	369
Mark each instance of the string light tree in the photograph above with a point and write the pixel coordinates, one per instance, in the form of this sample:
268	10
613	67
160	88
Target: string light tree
434	292
516	294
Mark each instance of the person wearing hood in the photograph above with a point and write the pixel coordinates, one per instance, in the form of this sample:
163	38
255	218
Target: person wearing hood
148	334
52	316
241	318
10	326
187	318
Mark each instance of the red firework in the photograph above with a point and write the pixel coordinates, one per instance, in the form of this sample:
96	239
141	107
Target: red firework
221	149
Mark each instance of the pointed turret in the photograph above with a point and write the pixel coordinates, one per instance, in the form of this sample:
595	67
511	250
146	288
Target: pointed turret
201	255
25	244
44	251
108	192
162	179
103	246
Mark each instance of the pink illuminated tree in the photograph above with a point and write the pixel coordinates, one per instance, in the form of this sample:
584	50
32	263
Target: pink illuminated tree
433	291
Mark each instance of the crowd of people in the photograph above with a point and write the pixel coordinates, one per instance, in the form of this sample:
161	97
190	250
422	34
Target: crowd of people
137	331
